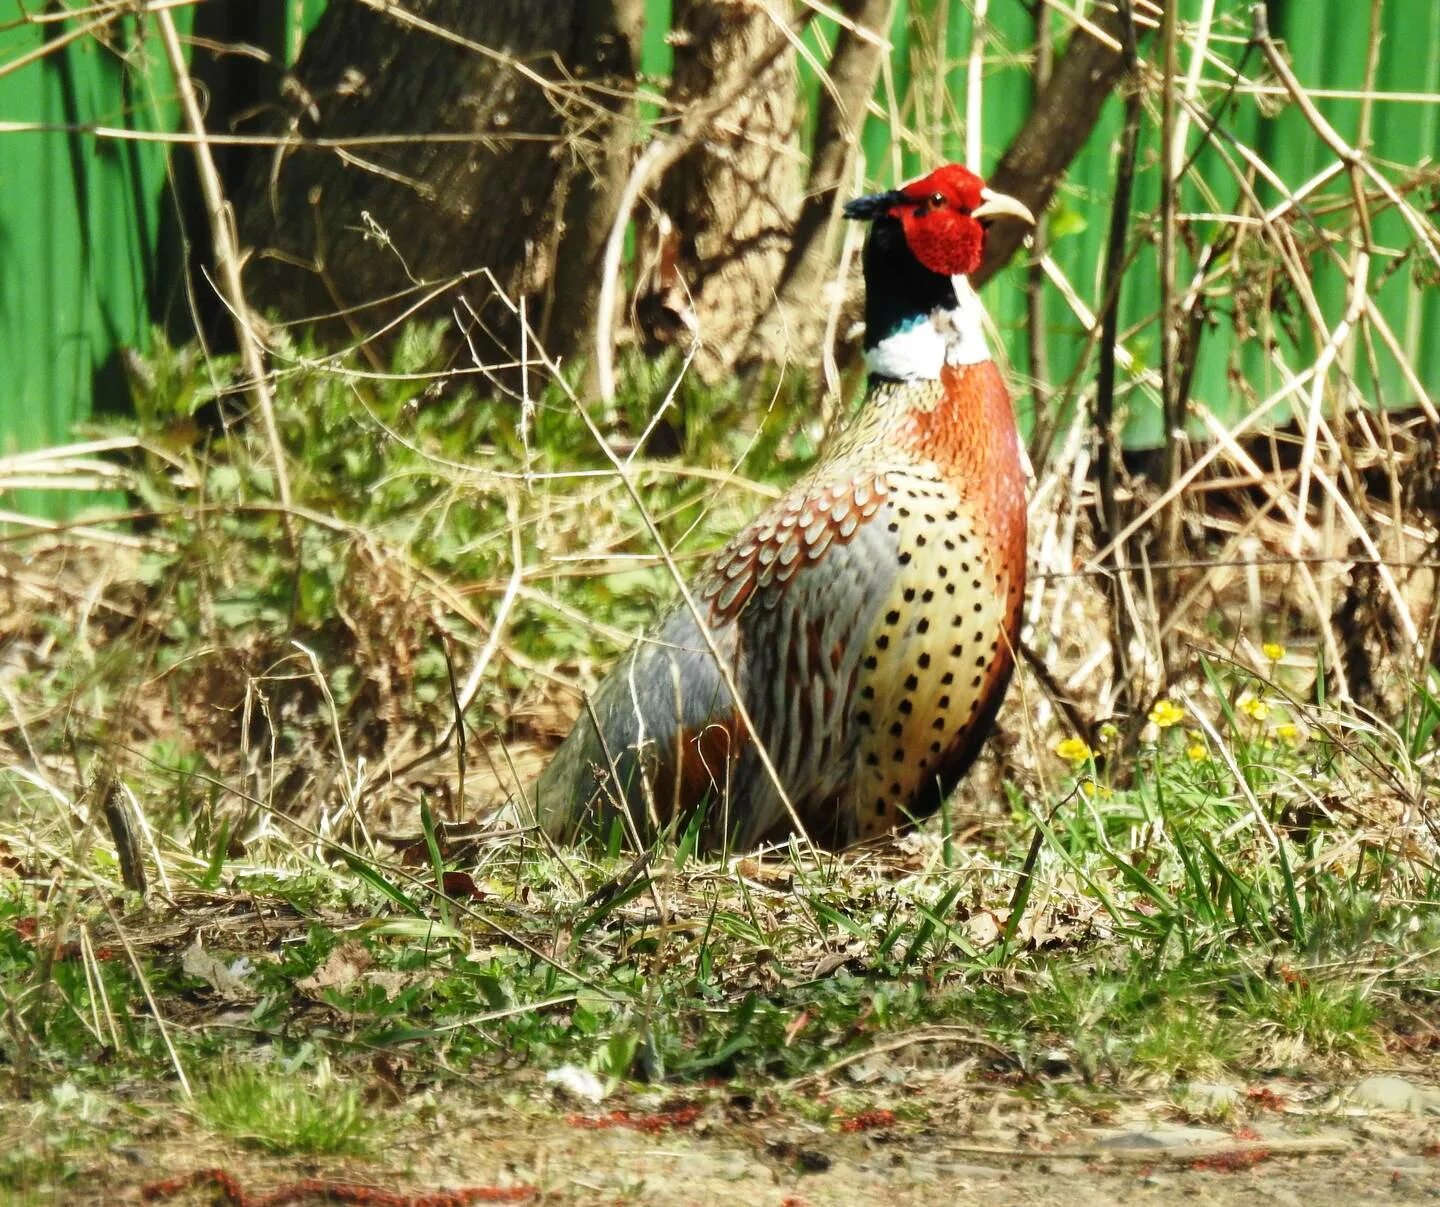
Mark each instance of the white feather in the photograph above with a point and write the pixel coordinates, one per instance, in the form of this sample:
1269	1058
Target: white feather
913	353
947	336
967	344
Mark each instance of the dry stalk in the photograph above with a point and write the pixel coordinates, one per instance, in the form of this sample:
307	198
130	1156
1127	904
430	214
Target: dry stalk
1037	348
974	79
227	260
1171	403
1107	438
53	42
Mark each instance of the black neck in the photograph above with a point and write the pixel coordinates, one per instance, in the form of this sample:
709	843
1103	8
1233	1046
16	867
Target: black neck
899	290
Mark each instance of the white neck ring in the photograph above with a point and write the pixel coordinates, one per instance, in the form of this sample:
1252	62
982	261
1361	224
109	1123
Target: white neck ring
947	336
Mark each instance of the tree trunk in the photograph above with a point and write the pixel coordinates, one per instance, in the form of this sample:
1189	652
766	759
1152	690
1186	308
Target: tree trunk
521	95
731	199
599	155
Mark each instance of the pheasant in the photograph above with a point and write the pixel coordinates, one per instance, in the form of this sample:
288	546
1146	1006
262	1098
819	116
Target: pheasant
868	619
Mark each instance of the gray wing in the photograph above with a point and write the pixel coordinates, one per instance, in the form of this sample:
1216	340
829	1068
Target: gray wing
804	644
664	696
669	738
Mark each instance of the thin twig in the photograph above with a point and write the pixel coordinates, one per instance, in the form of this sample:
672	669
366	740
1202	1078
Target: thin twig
1107	438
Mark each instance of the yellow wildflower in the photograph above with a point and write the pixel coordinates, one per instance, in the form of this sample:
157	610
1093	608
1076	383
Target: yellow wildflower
1273	650
1166	713
1254	708
1094	791
1108	733
1196	752
1290	733
1073	750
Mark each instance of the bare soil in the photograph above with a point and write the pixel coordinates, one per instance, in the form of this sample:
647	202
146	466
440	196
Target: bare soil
947	1138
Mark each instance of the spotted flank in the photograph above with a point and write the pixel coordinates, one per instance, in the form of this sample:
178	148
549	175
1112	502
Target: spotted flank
934	654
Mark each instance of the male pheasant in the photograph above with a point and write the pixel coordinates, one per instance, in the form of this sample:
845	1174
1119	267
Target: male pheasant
869	618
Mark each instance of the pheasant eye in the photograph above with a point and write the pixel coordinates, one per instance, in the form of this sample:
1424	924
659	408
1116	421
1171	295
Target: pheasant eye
937	199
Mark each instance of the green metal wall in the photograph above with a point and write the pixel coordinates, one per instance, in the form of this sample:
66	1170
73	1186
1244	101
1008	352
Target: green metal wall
81	216
78	223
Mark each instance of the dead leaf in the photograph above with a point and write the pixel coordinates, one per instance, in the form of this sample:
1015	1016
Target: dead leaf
984	928
341	968
461	885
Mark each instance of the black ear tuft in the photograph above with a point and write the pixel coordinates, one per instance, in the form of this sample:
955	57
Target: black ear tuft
876	205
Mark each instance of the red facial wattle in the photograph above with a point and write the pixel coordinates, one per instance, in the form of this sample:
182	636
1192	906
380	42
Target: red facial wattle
937	221
943	239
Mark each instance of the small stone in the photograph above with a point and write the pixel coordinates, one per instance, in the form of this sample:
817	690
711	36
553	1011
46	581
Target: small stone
1164	1137
1055	1063
811	1160
863	1072
579	1083
1387	1093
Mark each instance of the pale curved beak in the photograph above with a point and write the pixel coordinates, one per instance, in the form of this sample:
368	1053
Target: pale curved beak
998	205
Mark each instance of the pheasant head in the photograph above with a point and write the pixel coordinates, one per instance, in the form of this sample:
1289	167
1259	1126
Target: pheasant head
926	238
